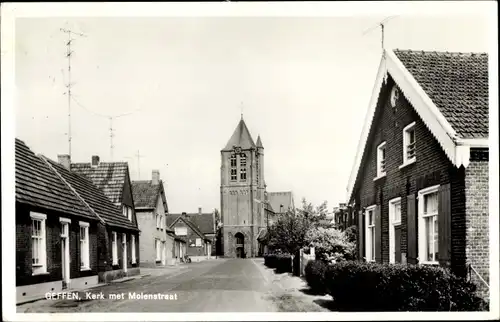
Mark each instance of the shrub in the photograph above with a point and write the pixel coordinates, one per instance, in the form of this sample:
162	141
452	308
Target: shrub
351	234
330	244
281	262
359	286
315	273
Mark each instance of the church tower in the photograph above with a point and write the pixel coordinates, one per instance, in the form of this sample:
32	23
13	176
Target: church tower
242	193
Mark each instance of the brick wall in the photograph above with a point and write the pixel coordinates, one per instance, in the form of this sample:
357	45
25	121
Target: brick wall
53	243
477	221
230	240
432	167
191	239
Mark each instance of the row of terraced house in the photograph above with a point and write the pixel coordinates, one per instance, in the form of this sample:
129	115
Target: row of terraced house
418	191
81	224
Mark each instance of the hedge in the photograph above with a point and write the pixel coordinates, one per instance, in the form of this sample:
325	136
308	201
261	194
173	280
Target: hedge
281	262
315	272
359	286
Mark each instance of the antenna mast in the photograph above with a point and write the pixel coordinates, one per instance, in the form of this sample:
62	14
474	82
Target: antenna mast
381	24
138	165
69	84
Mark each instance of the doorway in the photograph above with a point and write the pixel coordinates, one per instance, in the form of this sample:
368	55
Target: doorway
240	245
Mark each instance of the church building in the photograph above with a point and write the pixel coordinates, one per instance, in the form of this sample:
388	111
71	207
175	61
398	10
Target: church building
243	193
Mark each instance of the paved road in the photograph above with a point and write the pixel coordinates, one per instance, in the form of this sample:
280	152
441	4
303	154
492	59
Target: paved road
223	285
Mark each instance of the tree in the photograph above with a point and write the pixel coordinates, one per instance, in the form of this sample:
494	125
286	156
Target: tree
288	232
330	244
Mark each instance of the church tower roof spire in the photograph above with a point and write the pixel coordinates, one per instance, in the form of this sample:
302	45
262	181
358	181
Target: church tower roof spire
241	137
259	142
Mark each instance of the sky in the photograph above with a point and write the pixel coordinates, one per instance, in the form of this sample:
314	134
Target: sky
303	85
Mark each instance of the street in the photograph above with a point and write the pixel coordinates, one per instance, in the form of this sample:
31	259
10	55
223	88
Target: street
217	285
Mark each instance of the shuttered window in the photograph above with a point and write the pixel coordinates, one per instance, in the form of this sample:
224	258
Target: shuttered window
412	229
428	227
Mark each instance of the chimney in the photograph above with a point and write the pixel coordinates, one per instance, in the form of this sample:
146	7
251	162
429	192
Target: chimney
64	160
156	177
199	210
95	160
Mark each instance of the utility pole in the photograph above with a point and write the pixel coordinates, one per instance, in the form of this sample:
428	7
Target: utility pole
69	84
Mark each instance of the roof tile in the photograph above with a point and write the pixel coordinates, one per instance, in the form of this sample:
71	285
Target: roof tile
457	83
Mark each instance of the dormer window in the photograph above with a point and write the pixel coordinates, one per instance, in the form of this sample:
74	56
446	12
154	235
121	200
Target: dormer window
409	154
381	160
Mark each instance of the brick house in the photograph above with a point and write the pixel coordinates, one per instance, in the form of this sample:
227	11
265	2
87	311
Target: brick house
206	223
68	233
151	209
196	245
120	237
56	233
419	185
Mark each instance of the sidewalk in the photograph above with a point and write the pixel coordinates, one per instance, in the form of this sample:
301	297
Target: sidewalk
290	292
144	272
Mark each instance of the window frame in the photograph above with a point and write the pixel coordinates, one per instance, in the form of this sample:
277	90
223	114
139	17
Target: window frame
422	236
84	249
370	242
41	267
198	242
114	248
243	167
233	169
406	130
176	229
158	249
392	227
380	147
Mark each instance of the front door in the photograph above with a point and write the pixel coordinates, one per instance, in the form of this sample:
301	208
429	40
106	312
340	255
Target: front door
239	252
65	253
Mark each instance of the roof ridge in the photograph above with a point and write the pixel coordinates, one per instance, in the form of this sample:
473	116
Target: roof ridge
72	189
440	52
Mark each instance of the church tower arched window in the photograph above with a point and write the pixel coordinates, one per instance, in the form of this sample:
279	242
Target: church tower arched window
243	167
234	171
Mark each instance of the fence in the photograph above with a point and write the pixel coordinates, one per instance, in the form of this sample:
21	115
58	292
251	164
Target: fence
305	258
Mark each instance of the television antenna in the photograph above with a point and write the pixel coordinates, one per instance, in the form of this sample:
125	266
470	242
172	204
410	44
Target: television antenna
71	34
380	24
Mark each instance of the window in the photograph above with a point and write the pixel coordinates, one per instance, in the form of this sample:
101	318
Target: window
132	245
114	248
370	233
84	246
381	160
409	143
181	231
257	168
128	212
38	243
158	249
162	222
234	171
428	225
158	221
394	224
198	242
243	167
